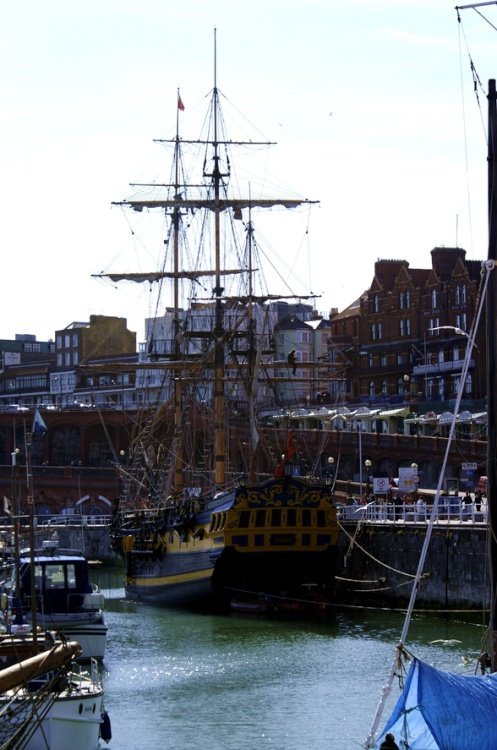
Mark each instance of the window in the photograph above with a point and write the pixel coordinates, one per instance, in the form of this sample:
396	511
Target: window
405	326
400	386
434	299
376	331
434	323
384	387
400	358
468	386
71	575
371	360
456	354
372	389
303	337
460	296
54	576
243	522
375	303
404	300
461	321
67	341
260	518
441	389
383	360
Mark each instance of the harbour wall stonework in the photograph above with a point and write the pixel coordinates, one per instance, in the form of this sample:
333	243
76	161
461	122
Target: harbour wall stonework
379	564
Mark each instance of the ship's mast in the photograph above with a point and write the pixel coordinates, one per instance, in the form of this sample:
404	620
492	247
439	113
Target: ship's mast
219	437
179	477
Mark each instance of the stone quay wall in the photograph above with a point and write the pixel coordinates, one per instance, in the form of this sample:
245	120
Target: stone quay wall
379	562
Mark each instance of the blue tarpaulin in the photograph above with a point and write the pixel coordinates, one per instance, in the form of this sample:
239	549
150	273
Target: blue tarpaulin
442	711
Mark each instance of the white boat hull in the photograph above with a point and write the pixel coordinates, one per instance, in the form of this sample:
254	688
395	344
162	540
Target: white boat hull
90	631
71	723
66	727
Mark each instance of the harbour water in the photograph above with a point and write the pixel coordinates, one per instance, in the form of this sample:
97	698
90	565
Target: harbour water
176	680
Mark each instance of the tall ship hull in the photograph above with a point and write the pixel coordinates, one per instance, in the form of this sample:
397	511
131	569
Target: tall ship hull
277	538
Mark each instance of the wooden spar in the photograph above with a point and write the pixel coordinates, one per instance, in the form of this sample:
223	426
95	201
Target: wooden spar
491	302
24	671
472	6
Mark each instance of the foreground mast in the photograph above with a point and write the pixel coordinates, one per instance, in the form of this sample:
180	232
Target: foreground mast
491	303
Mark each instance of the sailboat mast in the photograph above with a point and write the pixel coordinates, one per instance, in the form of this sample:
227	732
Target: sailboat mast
491	302
219	437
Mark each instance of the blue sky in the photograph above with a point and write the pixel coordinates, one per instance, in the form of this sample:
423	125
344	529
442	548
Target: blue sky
371	104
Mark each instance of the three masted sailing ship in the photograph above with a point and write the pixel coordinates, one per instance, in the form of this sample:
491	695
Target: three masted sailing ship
209	505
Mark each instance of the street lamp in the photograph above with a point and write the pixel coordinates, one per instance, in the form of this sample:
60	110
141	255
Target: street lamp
415	479
331	470
368	464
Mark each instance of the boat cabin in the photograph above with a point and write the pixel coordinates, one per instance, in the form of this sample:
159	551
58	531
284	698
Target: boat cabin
61	580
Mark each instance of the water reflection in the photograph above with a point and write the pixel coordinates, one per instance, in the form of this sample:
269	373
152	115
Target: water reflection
211	682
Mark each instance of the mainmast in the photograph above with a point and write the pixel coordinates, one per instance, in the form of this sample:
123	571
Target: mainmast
219	436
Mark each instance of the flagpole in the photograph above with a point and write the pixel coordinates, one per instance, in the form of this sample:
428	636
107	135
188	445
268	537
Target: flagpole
16	510
28	436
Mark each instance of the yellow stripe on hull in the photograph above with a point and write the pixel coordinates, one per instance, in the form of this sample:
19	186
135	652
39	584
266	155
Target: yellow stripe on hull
197	575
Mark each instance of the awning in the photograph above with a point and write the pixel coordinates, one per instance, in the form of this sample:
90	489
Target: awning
399	412
445	417
480	417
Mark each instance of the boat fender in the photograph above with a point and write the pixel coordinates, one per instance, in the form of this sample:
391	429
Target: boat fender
128	542
105	728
